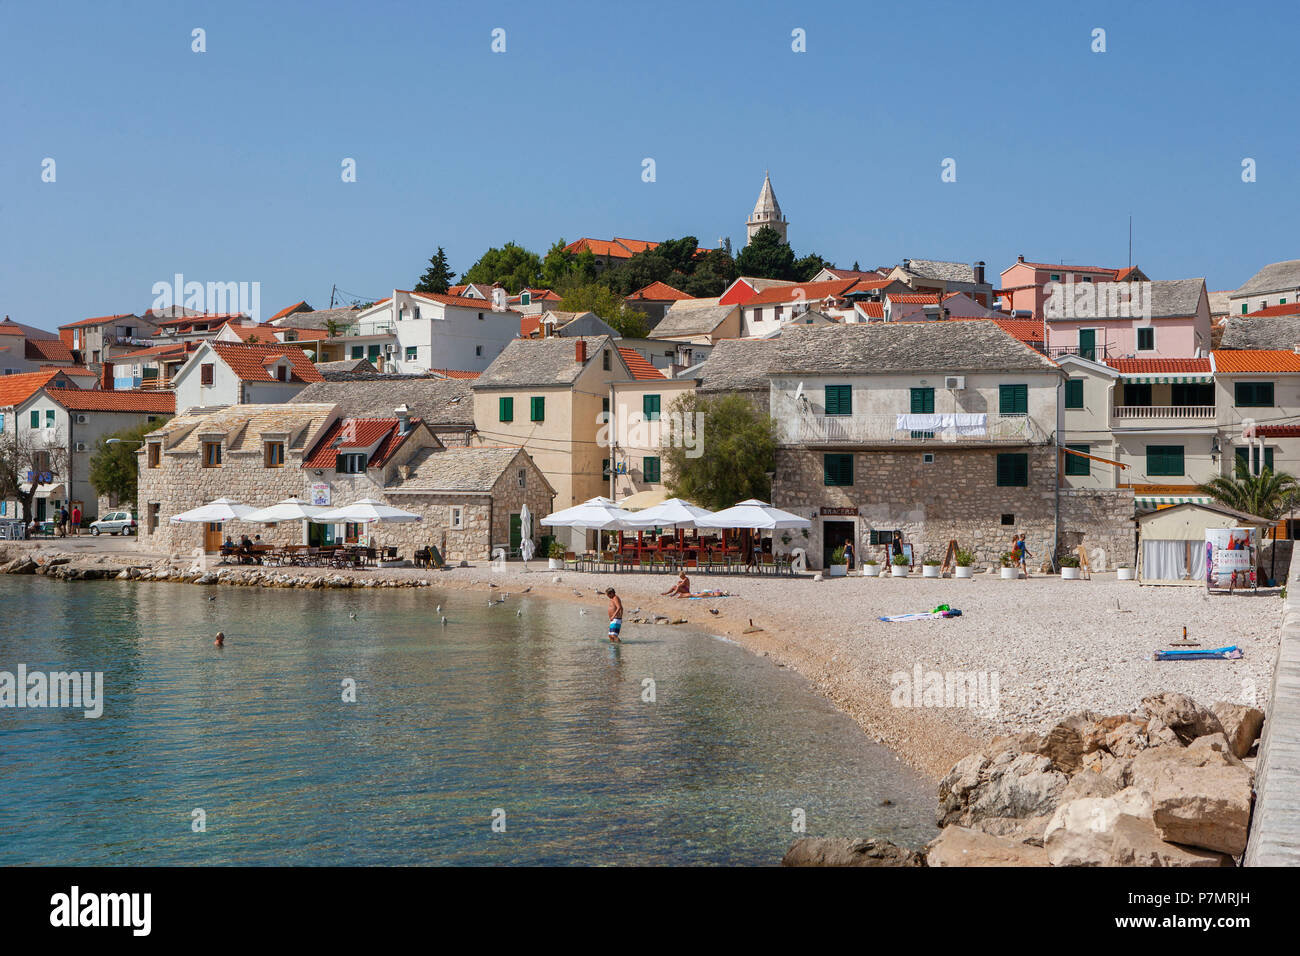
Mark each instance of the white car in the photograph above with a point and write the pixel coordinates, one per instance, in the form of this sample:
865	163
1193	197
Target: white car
115	522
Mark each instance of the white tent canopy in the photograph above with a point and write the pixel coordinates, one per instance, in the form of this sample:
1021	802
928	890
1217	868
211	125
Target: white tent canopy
365	511
215	512
753	514
291	509
596	514
673	513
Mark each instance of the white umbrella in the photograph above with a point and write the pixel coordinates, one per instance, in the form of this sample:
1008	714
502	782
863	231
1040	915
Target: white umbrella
597	514
753	514
215	512
365	511
673	513
291	509
526	546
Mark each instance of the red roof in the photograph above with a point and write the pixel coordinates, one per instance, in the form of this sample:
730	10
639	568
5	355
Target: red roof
454	373
660	292
289	310
1256	360
464	302
1277	431
613	248
98	320
113	400
75	370
48	350
248	362
914	298
641	369
804	291
1291	308
8	329
156	351
529	325
874	310
359	434
1026	331
1160	366
16	389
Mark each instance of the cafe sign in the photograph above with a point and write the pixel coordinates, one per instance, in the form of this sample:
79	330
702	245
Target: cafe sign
847	512
320	494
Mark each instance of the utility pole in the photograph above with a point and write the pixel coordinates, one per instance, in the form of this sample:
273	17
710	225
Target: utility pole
333	288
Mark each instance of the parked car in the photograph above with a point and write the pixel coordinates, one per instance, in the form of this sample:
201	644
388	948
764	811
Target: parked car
115	522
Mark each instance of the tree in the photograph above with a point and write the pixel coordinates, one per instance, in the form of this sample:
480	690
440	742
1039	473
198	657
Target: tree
114	468
714	271
26	455
437	278
808	266
736	442
512	265
767	256
557	266
1269	494
597	298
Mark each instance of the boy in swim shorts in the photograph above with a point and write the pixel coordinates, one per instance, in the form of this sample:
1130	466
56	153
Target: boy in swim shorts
615	615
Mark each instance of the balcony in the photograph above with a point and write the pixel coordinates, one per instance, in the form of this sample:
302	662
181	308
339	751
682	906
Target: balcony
1164	413
915	430
1094	353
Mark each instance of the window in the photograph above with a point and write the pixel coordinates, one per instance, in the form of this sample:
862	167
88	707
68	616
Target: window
1146	339
1013	470
49	417
480	316
351	463
291	336
1137	396
1013	399
922	401
537	408
36	418
358	351
839	400
521	477
274	454
1164	460
282	373
212	454
372	352
650	407
650	469
604	411
838	470
506	409
1184	394
604	468
205	373
1243	308
410	353
1254	394
1009	519
604	360
1074	393
1054	277
2	423
1074	465
155	509
1244	456
351	532
154	454
456	520
478	351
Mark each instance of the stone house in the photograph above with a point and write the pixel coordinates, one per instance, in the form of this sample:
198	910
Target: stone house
943	430
444	405
236	373
1278	283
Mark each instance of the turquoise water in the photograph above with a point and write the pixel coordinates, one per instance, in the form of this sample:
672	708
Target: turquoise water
534	715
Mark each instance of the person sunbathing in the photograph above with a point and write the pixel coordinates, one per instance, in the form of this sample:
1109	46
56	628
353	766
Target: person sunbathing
682	588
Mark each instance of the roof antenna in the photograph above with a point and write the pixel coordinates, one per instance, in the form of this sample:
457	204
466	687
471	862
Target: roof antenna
1130	241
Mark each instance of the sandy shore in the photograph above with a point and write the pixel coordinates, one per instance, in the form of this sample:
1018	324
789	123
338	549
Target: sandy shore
1045	647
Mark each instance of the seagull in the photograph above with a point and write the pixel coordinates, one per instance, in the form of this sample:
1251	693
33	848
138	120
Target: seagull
583	611
577	592
438	609
519	613
444	620
714	611
353	615
635	610
527	589
491	585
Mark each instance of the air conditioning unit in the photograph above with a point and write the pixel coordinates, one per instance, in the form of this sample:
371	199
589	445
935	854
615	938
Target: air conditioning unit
954	382
388	349
81	419
81	446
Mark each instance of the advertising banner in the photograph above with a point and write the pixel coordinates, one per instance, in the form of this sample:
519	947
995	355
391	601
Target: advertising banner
1230	557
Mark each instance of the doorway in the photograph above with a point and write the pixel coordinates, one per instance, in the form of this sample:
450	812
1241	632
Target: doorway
212	536
1088	343
835	534
319	535
516	534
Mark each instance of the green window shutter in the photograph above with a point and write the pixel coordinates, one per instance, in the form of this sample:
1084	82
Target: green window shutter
839	400
36	418
1146	339
49	418
358	352
1243	456
507	409
650	407
1074	465
838	470
1013	399
922	401
537	408
1074	393
1268	458
1253	394
1166	460
650	469
1013	470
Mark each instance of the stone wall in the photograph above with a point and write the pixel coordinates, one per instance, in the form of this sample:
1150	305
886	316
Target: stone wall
956	496
1101	519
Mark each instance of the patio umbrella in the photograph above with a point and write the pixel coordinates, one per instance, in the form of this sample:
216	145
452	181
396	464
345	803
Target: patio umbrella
673	513
753	514
215	512
526	547
291	509
365	511
596	514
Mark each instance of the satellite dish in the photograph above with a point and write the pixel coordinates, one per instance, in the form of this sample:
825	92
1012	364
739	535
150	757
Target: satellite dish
798	392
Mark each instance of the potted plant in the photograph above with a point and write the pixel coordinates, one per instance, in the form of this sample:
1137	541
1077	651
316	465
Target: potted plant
899	570
838	566
1070	568
871	568
1124	571
931	568
965	564
555	556
1009	570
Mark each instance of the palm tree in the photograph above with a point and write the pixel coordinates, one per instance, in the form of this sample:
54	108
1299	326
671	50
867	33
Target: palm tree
1269	494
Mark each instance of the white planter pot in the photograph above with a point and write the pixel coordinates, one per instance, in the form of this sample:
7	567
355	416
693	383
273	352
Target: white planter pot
871	570
837	570
555	564
1124	574
1069	574
1010	574
963	571
898	570
931	571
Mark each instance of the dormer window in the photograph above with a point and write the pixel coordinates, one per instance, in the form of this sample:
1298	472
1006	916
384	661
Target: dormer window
282	373
350	463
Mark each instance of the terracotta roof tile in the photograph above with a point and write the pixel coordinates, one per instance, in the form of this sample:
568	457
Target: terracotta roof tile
464	302
641	369
287	310
1160	366
914	298
359	433
48	350
659	292
1291	308
247	361
98	320
803	291
1256	360
454	373
114	400
16	389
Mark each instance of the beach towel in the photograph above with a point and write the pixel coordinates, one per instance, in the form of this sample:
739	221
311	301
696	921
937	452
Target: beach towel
697	595
941	611
1231	652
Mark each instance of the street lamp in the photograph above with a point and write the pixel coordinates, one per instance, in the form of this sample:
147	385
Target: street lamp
122	441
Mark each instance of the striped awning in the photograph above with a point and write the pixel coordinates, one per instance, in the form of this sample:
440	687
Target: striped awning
1168	379
1151	503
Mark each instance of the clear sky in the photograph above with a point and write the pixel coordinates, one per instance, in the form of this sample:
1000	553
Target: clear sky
226	165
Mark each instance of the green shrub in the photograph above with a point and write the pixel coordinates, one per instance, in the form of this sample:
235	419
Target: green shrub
556	550
931	562
837	556
1008	559
965	558
900	559
1070	561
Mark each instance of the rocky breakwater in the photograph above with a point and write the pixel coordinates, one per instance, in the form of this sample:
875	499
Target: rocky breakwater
1166	785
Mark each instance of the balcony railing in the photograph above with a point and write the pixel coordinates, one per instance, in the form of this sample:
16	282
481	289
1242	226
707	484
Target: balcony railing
964	429
1096	353
1163	412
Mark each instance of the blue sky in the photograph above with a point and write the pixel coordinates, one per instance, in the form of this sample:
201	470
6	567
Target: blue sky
225	165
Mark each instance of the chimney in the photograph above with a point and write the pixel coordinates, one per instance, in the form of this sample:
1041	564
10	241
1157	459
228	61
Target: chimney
106	376
979	273
580	351
403	413
1020	258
